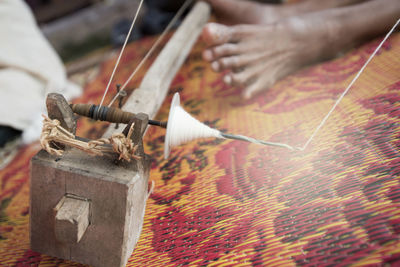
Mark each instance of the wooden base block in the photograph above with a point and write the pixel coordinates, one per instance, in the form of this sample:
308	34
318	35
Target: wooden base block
87	209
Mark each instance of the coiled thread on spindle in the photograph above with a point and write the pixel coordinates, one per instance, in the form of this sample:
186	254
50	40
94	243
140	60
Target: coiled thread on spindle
110	114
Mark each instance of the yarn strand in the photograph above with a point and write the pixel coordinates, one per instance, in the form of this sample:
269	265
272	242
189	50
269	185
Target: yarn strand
122	51
153	47
256	141
347	89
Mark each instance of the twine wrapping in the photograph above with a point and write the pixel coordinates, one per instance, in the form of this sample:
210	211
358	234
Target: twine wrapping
53	133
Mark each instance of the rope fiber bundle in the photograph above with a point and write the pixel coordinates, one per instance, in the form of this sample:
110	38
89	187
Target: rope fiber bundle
53	133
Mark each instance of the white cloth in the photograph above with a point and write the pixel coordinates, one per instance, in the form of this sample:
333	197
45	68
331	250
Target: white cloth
29	69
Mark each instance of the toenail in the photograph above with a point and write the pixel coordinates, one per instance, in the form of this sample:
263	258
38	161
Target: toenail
215	66
247	95
207	55
228	79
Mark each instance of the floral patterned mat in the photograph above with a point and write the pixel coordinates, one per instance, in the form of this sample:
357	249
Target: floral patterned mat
230	203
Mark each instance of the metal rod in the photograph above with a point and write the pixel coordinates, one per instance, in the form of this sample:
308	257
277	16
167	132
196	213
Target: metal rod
255	141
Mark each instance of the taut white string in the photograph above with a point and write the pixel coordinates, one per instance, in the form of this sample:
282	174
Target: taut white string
347	89
151	50
122	51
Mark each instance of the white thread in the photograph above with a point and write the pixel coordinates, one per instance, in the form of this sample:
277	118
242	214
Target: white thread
255	141
348	88
151	50
188	128
122	51
182	127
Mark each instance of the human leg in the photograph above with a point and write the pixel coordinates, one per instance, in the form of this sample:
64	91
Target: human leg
251	12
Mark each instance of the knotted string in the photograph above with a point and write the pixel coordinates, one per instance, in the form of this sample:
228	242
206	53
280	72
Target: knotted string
53	133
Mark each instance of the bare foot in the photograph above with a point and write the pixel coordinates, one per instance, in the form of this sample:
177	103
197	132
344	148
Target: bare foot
259	55
256	56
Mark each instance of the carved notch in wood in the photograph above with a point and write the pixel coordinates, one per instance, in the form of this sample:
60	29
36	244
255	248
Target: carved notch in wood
72	218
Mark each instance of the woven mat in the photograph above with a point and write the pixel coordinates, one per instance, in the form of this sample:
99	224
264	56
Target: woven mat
229	203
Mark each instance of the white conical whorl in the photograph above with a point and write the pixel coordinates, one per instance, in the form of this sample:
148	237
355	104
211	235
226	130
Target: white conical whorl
182	127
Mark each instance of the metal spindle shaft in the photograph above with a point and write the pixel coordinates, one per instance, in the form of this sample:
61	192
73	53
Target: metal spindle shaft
255	141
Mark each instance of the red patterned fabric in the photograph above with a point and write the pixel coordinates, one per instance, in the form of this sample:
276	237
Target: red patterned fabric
230	203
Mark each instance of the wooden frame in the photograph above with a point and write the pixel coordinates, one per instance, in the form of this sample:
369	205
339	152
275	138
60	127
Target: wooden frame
91	209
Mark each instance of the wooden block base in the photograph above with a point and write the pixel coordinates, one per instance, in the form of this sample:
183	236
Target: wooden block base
104	220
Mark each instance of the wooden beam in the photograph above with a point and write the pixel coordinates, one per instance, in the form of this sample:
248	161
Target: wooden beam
91	22
155	84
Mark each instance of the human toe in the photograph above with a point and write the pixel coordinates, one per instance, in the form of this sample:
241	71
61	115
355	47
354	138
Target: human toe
235	62
261	84
236	79
216	34
212	54
208	55
246	75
